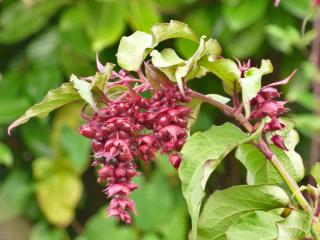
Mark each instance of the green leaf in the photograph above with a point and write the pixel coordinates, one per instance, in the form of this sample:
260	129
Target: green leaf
54	99
202	153
15	192
223	208
104	23
315	172
261	170
227	71
84	89
76	147
133	50
251	83
255	225
147	202
295	227
167	61
177	69
103	228
236	12
53	184
167	58
174	29
6	157
142	14
19	21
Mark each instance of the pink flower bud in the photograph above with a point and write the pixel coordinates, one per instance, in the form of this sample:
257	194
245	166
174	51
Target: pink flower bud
175	160
87	131
273	125
278	141
269	93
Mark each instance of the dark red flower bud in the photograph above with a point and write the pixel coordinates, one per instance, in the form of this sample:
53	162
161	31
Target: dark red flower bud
119	136
278	141
175	160
87	131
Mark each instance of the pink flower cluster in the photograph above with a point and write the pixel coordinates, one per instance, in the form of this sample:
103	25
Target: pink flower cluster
264	104
132	127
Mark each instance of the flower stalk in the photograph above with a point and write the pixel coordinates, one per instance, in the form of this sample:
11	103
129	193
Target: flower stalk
261	145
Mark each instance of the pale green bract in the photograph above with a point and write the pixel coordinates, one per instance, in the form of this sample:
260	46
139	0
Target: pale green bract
84	89
134	48
227	71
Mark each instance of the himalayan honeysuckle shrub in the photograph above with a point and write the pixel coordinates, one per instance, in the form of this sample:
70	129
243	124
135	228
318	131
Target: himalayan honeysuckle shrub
144	108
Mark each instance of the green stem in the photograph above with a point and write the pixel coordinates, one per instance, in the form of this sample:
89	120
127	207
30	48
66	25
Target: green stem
262	146
291	183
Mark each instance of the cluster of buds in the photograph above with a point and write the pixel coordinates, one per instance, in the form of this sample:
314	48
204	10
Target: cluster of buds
265	105
132	127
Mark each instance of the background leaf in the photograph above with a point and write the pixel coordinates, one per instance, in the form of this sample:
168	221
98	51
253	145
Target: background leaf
98	16
20	21
236	12
142	14
148	205
13	203
53	182
6	157
100	227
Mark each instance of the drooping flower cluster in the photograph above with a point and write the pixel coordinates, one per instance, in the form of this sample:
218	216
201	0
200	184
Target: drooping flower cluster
132	127
265	105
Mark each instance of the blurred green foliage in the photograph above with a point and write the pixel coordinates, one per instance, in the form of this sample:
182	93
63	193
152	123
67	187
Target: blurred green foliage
48	191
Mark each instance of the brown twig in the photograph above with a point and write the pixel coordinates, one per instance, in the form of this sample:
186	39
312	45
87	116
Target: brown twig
315	59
